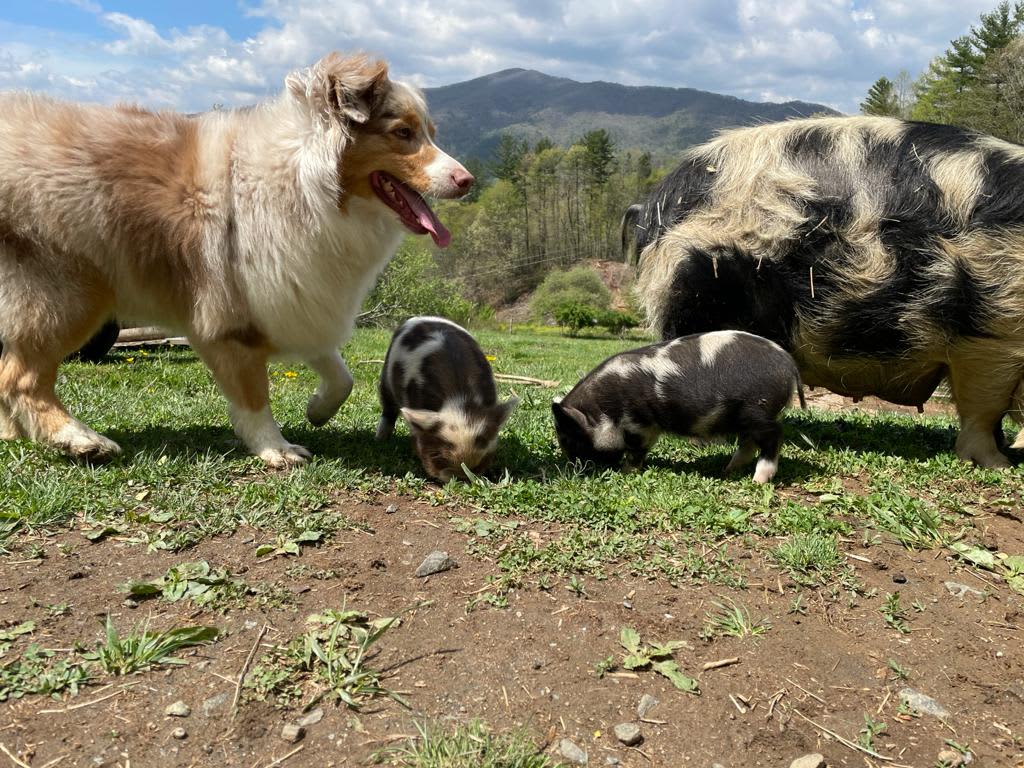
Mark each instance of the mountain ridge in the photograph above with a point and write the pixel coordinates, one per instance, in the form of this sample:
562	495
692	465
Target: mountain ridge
471	115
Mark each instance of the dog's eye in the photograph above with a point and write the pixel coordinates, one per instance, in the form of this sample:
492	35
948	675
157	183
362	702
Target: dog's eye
403	133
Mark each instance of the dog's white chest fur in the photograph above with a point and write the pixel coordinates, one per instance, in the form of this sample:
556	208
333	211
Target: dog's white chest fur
306	301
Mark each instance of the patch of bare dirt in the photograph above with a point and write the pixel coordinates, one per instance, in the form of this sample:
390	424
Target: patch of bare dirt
532	664
824	400
617	277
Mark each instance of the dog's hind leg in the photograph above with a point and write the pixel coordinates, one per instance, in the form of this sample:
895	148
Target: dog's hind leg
335	387
27	379
241	373
983	392
51	303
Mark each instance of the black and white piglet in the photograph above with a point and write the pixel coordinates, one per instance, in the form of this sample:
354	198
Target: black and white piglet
437	377
707	384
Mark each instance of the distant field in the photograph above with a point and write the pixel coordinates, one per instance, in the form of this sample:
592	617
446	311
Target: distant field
860	498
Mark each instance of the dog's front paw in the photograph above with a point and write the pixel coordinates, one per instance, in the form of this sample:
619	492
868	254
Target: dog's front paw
320	409
289	455
83	444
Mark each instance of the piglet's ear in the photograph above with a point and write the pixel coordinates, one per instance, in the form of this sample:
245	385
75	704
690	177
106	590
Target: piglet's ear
420	419
503	410
567	416
344	89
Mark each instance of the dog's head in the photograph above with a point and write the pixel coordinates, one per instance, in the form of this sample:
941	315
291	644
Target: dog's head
391	157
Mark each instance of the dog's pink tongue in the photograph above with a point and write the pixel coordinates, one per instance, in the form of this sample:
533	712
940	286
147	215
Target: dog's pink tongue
428	219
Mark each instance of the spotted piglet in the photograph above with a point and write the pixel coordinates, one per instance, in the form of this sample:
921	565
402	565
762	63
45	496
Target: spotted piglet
437	377
707	384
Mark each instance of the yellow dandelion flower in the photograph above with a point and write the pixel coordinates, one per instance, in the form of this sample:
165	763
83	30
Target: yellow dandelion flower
129	359
491	358
290	374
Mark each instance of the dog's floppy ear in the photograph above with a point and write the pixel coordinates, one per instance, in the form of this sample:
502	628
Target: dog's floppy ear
346	89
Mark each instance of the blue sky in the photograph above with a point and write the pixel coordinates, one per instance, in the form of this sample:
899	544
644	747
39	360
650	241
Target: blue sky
190	54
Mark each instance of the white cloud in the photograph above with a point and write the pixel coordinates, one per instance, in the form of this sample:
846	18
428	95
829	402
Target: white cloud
85	5
817	50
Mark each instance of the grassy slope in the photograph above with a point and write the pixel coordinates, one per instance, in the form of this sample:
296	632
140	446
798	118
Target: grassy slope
183	477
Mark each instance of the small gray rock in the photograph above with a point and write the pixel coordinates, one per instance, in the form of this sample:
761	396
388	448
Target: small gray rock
572	753
212	704
391	509
292	732
179	733
956	589
926	705
809	761
629	734
130	603
612	760
950	758
647	703
310	718
436	562
178	709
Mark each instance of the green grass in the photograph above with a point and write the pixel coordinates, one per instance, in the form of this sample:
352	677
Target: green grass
327	661
731	620
465	746
184	479
40	670
140	649
810	558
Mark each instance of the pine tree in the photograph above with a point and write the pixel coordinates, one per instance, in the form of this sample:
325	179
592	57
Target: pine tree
881	99
998	29
962	60
508	158
600	154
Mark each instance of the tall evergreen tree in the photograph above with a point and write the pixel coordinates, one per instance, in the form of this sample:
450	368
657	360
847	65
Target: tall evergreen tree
963	62
881	99
508	158
998	28
600	154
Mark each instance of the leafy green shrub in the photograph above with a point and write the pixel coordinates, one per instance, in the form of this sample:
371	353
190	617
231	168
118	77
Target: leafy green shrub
617	322
412	285
575	317
581	286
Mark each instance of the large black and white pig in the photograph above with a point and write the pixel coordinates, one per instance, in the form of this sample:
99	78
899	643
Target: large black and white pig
437	377
707	384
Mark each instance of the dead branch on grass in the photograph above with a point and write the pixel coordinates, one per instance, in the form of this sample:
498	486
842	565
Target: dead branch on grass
245	670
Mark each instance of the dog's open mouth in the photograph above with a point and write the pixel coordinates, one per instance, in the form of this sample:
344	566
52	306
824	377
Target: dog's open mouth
410	206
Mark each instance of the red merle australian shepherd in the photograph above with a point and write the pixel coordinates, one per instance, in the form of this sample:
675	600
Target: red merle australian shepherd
255	232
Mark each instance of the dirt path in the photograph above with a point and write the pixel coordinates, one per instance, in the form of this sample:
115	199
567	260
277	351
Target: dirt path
532	664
